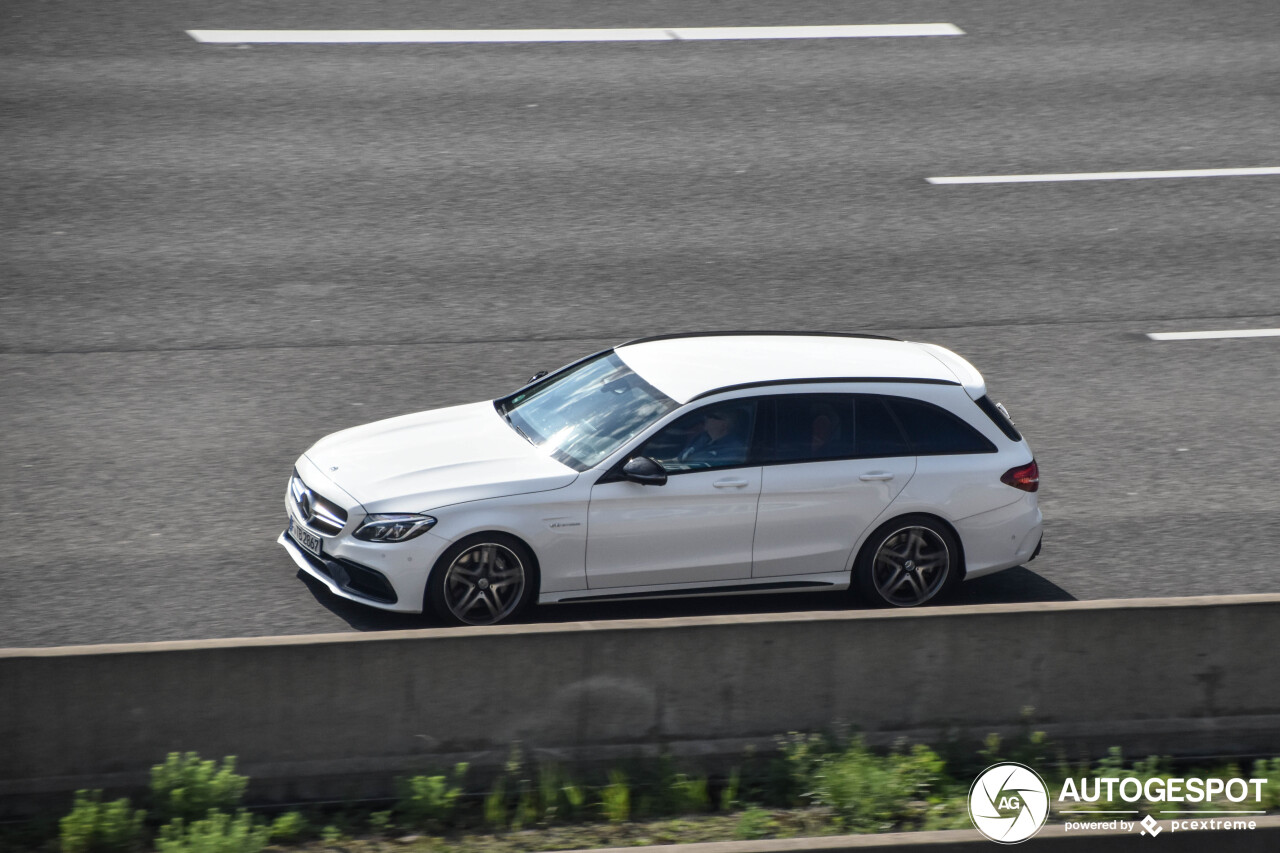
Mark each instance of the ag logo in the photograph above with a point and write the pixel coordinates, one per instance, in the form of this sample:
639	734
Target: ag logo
1008	802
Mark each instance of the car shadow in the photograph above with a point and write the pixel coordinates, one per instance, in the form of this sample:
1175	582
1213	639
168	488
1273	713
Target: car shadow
1013	586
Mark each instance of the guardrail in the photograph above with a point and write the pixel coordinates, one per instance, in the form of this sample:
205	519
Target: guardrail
340	715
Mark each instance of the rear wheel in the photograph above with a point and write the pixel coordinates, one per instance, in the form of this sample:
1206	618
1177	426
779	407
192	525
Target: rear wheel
910	561
482	580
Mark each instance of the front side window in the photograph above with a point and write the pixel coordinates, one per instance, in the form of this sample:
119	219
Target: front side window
587	412
718	435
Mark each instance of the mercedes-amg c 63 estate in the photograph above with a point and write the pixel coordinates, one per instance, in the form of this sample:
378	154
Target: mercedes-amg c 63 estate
678	465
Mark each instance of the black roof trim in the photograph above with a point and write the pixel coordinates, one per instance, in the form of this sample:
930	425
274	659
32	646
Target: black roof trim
814	380
742	333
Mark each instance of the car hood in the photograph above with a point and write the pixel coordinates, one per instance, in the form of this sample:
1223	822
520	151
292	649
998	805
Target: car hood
437	458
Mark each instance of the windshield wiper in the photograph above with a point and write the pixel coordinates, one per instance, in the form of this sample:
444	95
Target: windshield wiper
506	416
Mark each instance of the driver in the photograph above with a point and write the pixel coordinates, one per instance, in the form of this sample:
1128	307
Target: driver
719	442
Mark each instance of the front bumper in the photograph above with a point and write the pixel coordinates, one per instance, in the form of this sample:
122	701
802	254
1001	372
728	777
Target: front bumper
386	576
343	577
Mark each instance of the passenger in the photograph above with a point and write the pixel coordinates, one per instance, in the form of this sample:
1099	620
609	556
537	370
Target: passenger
825	434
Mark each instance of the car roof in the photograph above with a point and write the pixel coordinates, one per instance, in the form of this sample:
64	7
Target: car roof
686	367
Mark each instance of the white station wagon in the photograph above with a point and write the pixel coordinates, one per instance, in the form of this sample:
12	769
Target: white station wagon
742	462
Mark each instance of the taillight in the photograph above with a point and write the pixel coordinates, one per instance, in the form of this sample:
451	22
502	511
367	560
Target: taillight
1025	477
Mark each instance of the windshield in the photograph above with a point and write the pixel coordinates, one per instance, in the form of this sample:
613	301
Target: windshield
587	412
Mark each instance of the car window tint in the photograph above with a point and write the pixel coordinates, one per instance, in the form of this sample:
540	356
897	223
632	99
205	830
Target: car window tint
999	416
877	432
812	427
714	436
933	430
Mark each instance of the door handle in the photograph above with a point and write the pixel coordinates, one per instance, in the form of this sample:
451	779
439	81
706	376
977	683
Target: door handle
875	475
730	484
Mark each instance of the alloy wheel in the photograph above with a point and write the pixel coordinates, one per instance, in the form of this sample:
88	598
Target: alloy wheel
484	584
910	566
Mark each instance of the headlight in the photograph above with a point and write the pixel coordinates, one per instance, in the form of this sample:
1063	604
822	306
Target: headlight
397	527
296	486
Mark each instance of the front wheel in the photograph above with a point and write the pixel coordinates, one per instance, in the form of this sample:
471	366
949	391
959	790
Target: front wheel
908	562
482	580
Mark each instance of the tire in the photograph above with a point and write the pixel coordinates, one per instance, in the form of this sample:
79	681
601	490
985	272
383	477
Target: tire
483	579
910	561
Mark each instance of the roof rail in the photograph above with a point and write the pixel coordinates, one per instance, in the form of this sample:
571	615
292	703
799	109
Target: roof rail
818	380
720	334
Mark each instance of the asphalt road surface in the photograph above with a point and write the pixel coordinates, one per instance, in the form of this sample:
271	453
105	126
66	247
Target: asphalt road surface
213	255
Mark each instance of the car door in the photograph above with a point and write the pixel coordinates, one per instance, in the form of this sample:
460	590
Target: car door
699	525
833	464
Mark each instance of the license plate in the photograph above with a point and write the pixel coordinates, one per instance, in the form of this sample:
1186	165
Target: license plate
308	540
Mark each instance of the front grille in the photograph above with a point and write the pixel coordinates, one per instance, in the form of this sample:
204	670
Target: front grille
319	513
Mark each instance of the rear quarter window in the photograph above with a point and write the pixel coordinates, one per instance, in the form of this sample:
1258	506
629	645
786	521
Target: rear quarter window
998	418
933	430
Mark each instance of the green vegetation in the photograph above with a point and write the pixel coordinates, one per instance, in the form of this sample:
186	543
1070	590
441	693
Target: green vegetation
872	793
97	827
813	784
1269	770
187	788
291	827
756	823
218	833
615	799
428	802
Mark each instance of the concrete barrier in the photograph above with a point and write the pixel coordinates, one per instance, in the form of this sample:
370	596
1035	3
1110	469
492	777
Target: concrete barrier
339	715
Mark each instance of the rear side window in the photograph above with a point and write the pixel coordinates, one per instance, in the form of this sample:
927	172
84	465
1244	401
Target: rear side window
878	433
814	427
933	430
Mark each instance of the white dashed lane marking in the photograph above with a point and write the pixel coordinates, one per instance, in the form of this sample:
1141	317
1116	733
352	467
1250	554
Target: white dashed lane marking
1106	176
570	35
1224	333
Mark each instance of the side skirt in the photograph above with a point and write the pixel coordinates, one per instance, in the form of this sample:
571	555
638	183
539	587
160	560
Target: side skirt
802	583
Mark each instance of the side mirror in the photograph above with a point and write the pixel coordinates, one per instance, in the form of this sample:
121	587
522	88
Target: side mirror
645	471
535	377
